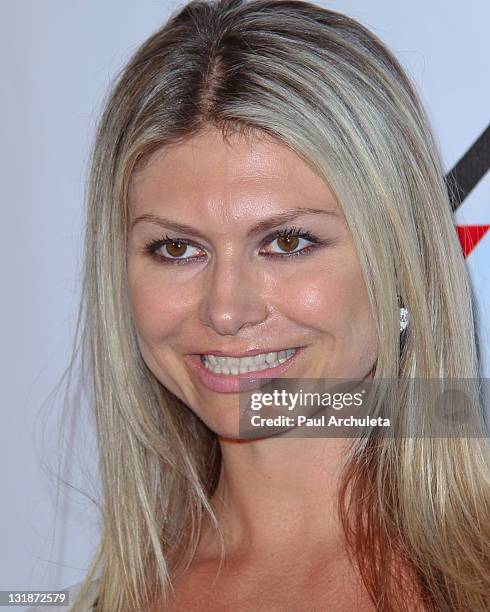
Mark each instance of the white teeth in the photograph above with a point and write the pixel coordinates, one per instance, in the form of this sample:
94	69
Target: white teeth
251	363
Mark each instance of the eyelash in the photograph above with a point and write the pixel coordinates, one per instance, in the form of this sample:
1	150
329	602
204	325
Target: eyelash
154	245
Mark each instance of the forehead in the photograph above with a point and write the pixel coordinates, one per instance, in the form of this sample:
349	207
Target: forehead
208	168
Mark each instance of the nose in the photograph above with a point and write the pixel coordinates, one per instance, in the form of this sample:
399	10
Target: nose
232	299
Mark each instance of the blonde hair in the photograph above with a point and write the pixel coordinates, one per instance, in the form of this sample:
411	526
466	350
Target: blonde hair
326	87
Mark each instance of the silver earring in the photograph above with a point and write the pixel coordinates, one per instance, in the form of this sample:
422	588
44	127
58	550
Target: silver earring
403	319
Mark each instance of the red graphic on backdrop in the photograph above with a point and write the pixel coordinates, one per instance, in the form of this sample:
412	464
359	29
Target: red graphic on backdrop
470	236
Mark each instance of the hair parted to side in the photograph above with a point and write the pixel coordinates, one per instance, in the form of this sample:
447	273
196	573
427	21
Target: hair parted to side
323	85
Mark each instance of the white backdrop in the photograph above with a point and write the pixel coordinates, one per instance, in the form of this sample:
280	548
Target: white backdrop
56	61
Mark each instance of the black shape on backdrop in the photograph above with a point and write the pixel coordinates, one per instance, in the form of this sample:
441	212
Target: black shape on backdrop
469	170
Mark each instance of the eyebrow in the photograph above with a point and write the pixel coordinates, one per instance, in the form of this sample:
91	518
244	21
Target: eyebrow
258	228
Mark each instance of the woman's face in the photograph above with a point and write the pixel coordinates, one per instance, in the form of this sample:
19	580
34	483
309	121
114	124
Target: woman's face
213	272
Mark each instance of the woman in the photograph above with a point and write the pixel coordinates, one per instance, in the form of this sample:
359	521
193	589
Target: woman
266	199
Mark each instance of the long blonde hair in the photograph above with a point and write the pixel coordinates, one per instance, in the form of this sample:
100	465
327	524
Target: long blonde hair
326	87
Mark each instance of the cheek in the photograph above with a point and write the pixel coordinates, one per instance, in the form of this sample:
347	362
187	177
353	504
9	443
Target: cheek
329	297
331	301
158	307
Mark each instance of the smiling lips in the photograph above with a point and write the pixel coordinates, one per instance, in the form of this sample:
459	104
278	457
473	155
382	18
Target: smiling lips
220	364
232	374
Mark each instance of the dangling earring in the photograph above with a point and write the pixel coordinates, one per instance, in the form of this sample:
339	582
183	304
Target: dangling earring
403	318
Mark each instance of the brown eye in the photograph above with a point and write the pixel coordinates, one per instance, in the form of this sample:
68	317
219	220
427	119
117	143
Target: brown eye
176	249
288	243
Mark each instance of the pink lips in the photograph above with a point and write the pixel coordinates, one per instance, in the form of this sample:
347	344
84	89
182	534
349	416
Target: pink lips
234	383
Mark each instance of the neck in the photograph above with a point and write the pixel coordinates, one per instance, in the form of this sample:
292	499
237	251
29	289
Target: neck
278	494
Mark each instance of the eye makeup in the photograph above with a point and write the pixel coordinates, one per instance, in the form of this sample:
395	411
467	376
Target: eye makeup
294	232
153	247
